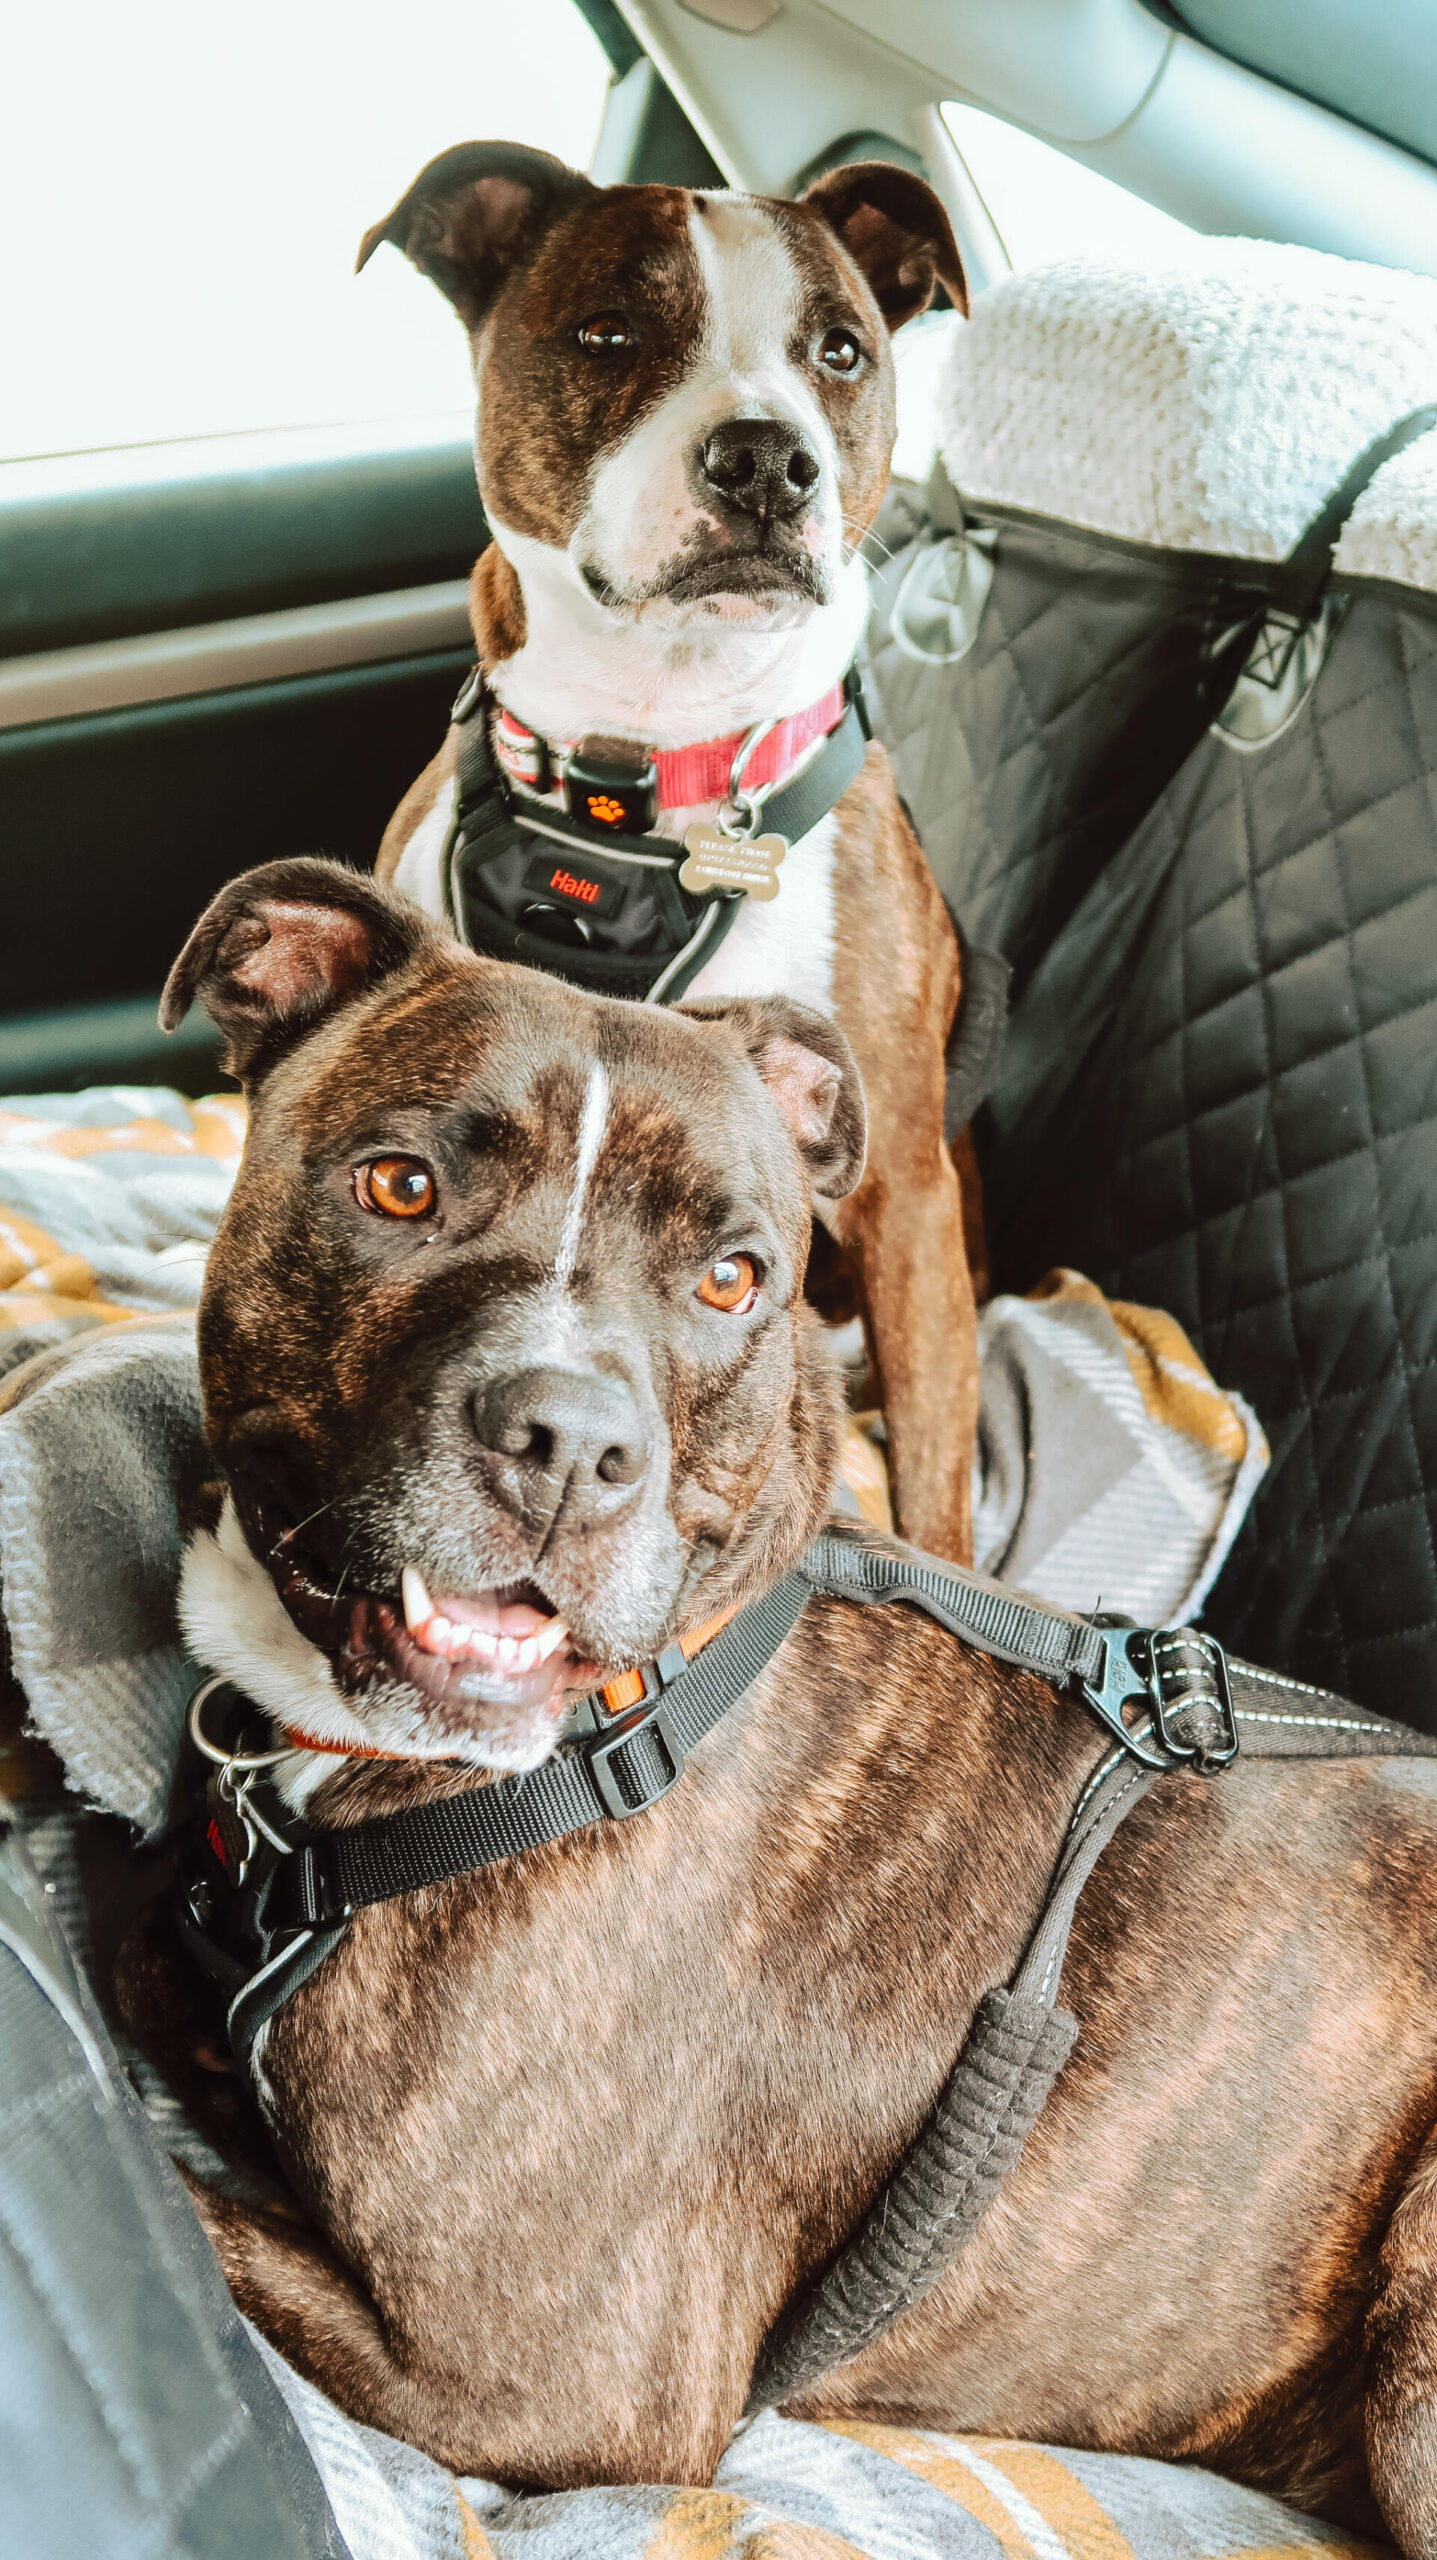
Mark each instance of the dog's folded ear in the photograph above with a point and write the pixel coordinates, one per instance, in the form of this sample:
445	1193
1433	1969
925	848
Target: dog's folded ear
472	213
812	1074
895	229
283	946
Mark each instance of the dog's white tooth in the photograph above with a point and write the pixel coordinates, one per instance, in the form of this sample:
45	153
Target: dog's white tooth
527	1657
508	1652
549	1639
439	1635
418	1607
476	1642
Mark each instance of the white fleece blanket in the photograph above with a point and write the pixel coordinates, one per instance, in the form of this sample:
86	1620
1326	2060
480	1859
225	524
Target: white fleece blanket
1208	404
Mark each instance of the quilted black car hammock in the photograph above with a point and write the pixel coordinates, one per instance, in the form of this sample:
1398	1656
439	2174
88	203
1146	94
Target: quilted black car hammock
1192	795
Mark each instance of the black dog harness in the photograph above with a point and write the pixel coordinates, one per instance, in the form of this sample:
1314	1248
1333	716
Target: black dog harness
600	901
603	905
263	1899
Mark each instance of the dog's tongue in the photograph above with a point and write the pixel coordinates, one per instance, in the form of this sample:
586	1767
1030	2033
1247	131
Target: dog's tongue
507	1635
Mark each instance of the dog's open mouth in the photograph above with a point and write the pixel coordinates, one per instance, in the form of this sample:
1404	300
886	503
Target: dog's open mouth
502	1653
499	1648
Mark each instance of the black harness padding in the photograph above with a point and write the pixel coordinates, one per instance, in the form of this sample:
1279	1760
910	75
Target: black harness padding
625	926
630	927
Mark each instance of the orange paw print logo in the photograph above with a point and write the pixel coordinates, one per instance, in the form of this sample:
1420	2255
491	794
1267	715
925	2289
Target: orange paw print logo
609	813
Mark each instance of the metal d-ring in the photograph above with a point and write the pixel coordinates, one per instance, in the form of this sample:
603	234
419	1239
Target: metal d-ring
237	1773
739	812
229	1761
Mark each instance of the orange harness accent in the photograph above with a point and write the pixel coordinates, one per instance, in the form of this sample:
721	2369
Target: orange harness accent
631	1687
299	1740
627	1689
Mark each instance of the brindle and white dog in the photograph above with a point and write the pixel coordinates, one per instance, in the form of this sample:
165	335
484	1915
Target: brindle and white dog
685	425
508	1374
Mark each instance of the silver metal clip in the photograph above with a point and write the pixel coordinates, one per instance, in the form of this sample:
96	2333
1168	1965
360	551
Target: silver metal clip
236	1772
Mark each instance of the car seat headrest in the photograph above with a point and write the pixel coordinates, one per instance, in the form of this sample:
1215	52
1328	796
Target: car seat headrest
1210	403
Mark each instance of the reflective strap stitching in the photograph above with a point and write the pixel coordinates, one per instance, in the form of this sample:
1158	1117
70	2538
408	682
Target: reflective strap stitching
1097	1778
1337	1724
1276	1679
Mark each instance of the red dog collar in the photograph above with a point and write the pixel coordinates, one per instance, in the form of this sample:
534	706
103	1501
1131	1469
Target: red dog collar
685	777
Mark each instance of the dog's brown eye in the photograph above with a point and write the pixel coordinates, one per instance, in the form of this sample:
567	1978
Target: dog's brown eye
839	351
731	1285
398	1186
606	334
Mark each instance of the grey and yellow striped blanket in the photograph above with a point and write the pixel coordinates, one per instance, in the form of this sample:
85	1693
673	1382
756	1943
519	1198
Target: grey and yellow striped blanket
788	2491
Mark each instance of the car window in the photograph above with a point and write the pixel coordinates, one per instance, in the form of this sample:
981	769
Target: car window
1046	206
182	191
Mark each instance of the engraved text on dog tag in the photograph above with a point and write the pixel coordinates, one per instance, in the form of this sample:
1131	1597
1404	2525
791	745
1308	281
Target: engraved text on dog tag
717	861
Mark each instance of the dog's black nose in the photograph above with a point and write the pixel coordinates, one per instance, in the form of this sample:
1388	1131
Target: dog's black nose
760	466
569	1437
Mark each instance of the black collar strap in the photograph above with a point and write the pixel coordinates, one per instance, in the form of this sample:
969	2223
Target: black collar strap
524	881
608	1775
266	1899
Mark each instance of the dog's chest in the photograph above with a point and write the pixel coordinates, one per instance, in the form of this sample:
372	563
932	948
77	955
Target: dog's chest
782	945
778	946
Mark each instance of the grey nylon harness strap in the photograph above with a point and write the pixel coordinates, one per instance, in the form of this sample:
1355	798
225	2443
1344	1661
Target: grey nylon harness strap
930	2208
1016	1630
1176	1676
935	2200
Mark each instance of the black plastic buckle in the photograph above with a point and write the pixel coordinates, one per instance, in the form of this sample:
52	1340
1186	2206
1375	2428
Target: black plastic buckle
855	699
623	1786
1165	1670
611	799
303	1898
469	696
1275	647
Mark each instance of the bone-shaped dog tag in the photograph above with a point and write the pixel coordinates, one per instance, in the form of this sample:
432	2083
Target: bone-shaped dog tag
717	861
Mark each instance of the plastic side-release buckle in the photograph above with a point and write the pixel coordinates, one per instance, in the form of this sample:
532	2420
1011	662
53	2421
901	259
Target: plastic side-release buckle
855	699
469	696
1178	1677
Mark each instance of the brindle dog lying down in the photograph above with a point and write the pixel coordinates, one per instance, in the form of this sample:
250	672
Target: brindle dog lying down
504	1346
